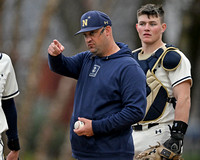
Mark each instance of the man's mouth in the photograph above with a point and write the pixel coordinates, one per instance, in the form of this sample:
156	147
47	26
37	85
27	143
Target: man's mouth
146	34
90	45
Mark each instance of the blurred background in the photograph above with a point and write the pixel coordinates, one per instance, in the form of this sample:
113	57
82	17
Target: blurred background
45	104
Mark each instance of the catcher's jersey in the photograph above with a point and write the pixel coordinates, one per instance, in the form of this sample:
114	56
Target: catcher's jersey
8	86
169	79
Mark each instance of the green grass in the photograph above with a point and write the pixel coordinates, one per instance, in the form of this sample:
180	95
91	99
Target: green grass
191	156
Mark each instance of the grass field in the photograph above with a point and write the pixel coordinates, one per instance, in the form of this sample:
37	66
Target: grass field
191	156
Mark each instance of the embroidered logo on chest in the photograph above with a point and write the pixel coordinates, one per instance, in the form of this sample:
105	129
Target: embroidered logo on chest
94	71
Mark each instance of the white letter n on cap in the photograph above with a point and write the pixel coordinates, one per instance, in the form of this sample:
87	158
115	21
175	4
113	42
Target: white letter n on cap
85	22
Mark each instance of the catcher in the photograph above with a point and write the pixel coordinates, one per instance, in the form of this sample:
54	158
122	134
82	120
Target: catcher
168	74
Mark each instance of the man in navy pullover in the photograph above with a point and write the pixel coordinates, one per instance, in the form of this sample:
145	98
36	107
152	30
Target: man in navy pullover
110	93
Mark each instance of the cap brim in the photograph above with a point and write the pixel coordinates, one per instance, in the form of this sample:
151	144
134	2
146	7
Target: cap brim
87	30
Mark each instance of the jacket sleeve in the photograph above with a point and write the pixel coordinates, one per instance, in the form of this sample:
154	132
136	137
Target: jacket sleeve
66	66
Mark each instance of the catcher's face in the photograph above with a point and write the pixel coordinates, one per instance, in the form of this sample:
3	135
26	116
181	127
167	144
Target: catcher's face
150	29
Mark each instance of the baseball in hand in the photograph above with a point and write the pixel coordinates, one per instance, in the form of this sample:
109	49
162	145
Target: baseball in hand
78	124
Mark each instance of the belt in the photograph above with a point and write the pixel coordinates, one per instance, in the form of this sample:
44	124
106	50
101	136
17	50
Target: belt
142	127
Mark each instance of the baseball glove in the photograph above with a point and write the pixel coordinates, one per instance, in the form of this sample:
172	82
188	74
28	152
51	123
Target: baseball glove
158	152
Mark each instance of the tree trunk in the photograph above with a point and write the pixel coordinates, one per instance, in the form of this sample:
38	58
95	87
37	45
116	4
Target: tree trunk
31	93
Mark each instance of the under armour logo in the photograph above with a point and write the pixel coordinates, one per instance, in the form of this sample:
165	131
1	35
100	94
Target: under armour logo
158	131
105	22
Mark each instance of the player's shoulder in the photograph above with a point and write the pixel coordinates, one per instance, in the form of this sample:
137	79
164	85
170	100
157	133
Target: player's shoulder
5	59
172	58
4	56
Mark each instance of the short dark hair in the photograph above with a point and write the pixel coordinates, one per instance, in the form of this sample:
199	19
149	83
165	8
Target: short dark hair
151	10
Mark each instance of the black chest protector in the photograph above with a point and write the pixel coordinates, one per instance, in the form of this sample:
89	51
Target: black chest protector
157	94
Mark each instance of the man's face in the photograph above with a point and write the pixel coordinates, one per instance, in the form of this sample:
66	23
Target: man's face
94	41
150	29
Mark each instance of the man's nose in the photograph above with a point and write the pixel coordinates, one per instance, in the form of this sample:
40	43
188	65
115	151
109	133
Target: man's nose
88	39
146	27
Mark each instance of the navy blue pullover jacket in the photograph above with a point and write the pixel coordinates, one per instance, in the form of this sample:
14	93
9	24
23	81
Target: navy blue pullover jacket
111	91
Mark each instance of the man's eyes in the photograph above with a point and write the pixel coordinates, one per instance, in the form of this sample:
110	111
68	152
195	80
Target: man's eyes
151	24
92	33
141	24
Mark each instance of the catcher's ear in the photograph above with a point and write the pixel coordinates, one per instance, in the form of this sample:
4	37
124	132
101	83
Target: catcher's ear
164	27
136	26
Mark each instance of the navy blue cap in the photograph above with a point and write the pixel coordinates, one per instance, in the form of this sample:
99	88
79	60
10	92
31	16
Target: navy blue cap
93	20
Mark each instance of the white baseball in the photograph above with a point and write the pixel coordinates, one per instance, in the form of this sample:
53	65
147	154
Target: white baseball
78	124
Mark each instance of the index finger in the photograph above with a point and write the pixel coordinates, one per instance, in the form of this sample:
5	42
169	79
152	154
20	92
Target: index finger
56	42
59	45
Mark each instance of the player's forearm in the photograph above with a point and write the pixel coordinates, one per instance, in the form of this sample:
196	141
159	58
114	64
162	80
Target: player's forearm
183	109
182	95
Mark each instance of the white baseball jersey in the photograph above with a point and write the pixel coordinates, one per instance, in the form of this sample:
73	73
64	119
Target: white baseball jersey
8	86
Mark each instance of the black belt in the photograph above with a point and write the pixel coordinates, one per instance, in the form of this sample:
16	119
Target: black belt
141	127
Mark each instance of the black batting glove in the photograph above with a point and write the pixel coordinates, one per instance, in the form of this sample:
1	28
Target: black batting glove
175	142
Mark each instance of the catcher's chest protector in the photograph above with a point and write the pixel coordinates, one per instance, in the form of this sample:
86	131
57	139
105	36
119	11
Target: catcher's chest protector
157	94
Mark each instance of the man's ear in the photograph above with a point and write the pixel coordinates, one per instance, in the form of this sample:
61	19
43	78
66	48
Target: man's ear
164	27
108	30
136	26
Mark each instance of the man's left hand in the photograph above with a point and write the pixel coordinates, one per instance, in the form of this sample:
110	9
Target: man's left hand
86	130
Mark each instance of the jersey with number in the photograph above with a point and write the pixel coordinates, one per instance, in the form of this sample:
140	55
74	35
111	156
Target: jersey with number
8	86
